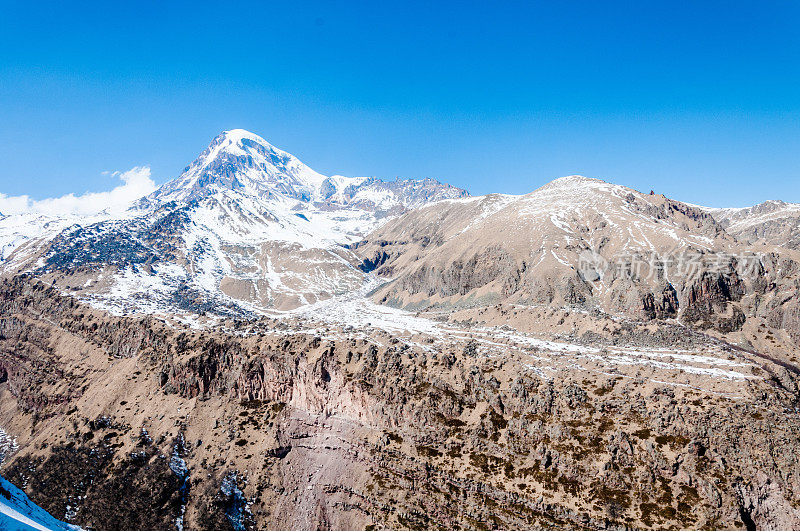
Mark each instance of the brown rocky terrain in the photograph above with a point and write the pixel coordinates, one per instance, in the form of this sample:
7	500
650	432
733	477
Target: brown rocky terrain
587	244
774	222
138	423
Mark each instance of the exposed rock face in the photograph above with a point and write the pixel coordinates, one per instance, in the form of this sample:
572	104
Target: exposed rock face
260	425
663	307
709	296
460	277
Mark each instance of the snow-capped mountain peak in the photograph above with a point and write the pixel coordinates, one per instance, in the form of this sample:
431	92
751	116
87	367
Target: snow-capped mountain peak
245	225
243	161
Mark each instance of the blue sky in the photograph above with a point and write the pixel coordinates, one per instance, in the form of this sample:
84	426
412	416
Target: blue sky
697	100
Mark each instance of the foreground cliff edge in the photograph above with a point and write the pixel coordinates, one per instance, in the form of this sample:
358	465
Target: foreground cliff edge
131	423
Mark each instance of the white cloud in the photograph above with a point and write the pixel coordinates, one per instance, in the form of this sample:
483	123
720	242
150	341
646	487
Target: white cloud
136	183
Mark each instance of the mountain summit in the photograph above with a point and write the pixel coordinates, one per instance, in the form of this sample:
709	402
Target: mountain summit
243	161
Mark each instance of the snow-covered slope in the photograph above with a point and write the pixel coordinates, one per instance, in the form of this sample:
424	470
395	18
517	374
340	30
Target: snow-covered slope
18	229
18	513
244	228
774	222
243	162
240	160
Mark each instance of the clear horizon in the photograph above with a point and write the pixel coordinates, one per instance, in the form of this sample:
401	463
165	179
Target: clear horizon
697	102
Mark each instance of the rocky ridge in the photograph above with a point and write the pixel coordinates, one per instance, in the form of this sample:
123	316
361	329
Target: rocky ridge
774	222
586	244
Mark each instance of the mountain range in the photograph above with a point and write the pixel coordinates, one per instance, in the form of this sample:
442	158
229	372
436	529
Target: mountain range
248	228
245	227
255	343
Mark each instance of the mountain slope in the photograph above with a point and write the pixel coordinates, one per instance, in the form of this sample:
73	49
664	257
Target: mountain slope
132	423
246	227
585	243
773	222
545	233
